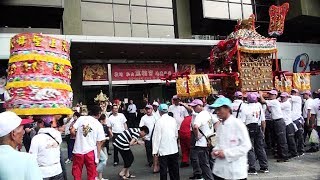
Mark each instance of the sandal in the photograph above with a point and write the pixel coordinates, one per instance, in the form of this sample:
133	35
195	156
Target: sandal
124	177
130	176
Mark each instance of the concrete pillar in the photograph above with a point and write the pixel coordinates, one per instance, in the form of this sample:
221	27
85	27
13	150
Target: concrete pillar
72	21
183	17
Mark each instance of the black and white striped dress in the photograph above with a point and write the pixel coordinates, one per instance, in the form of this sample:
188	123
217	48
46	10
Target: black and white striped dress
123	140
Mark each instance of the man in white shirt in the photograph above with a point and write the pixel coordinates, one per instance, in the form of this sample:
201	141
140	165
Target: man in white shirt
132	114
45	146
203	127
164	144
238	105
316	106
314	118
296	115
89	139
179	112
148	120
306	113
15	164
155	112
290	128
116	124
233	143
254	119
279	125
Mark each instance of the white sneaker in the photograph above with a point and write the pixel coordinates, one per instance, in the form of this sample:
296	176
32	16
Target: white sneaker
68	161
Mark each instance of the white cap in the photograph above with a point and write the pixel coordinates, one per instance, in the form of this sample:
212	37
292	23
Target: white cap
155	103
10	121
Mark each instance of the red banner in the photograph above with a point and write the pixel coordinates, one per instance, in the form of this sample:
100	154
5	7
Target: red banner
122	72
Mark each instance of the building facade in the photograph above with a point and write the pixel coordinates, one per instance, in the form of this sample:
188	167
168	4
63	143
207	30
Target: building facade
144	35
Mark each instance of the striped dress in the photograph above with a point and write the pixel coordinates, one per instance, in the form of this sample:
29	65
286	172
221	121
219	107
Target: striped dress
123	140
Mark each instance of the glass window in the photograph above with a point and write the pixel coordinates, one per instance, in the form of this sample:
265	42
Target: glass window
156	31
97	28
213	9
96	11
160	3
138	14
248	1
122	29
121	1
247	11
139	30
264	2
121	13
138	2
237	1
160	16
104	1
235	11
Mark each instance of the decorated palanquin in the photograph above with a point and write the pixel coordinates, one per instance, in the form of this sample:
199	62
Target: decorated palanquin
195	85
247	52
277	18
39	74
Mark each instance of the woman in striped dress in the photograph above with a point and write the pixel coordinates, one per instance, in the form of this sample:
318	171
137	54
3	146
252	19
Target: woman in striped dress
123	142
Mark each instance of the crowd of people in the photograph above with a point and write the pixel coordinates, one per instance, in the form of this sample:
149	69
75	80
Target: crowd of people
219	138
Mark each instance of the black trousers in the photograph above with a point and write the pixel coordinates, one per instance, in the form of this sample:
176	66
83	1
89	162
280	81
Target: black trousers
280	131
115	149
219	178
169	162
194	157
127	157
56	177
148	146
290	139
270	135
299	137
257	151
132	120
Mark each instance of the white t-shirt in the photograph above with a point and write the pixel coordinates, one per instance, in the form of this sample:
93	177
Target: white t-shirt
156	114
316	106
179	113
235	107
275	108
89	132
307	105
67	127
205	121
132	108
116	123
148	121
286	111
47	151
296	102
253	113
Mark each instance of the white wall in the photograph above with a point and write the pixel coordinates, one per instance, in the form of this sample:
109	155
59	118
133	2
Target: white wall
287	52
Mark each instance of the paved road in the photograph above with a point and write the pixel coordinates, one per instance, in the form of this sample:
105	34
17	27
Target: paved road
306	167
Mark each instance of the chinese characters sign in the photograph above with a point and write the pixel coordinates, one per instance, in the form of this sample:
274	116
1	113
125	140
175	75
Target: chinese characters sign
32	41
95	72
122	72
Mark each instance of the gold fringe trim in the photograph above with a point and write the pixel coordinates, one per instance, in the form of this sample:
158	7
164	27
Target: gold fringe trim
38	84
42	111
39	57
247	50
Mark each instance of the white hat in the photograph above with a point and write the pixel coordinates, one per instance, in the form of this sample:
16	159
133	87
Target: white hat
155	103
10	121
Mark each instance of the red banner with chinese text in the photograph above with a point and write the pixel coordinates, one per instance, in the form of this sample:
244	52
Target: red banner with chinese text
123	72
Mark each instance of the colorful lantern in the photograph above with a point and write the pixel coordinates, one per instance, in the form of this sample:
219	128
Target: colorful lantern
277	18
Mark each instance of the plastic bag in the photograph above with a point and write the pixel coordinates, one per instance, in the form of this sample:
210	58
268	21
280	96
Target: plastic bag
314	137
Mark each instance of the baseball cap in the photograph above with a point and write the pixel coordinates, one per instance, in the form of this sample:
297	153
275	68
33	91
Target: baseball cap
175	97
295	90
148	106
306	92
10	121
252	97
238	94
284	94
273	92
163	108
196	102
221	101
155	104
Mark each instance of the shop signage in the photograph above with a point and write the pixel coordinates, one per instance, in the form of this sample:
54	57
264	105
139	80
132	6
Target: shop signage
122	72
191	68
95	72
